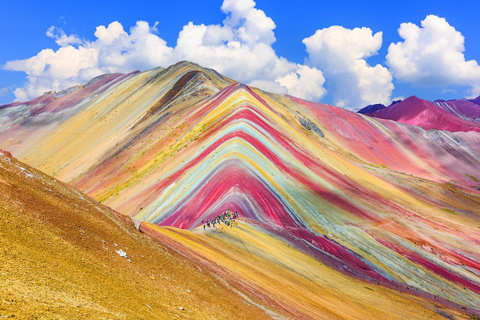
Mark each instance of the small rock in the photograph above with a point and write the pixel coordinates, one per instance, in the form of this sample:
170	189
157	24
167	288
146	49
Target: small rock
182	308
122	253
305	123
6	153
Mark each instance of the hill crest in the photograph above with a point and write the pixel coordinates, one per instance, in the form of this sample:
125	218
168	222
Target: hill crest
453	116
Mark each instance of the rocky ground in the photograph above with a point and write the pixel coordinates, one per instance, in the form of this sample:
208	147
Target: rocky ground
63	256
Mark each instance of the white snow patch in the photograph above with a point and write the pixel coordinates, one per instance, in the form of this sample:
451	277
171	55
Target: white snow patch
27	173
122	253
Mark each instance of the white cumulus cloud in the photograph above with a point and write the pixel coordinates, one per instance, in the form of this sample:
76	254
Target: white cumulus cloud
119	51
432	55
61	38
240	48
52	70
340	53
305	82
114	50
252	25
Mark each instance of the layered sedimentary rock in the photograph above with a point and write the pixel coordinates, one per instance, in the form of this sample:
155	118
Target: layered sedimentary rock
452	115
373	200
65	256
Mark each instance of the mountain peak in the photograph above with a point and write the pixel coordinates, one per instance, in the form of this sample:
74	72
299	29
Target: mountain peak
371	108
349	198
430	115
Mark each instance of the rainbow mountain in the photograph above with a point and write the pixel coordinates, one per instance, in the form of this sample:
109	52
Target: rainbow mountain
341	215
451	115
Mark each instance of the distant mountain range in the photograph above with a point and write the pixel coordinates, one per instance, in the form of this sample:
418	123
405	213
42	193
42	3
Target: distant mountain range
342	215
451	115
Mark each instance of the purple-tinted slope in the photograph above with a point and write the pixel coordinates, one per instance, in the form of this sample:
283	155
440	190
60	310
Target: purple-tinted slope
428	115
476	100
463	108
371	108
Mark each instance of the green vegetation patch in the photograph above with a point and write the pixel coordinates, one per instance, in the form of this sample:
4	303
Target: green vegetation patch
380	166
449	211
472	177
448	185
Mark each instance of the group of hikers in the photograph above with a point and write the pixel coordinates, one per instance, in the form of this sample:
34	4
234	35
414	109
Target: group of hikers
227	218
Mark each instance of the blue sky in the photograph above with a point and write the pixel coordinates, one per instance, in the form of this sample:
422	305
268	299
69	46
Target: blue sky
24	25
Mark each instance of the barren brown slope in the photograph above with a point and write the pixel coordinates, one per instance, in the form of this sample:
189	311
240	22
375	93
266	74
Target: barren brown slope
58	259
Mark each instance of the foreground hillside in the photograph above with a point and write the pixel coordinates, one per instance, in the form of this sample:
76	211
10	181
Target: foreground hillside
65	256
365	201
60	258
301	286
